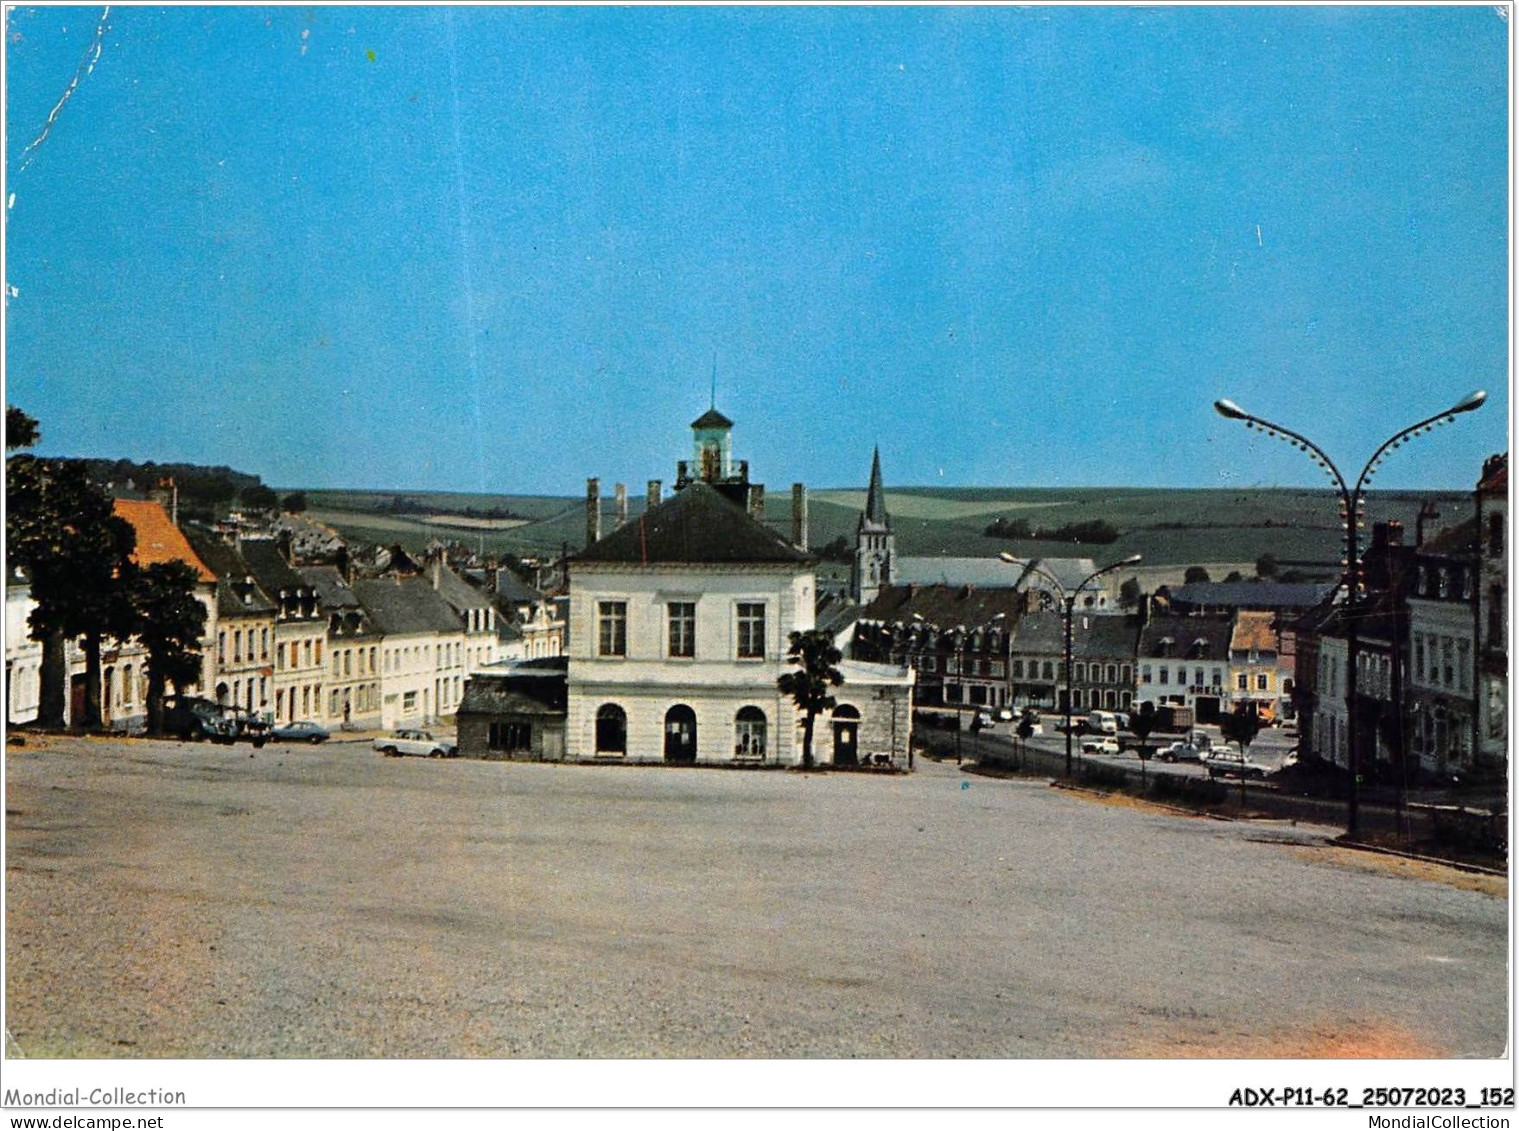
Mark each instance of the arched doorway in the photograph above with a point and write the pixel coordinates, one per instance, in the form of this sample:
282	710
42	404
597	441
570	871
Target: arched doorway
846	735
611	729
680	734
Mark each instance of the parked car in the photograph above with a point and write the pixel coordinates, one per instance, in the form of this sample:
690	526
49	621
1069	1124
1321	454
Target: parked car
1182	751
193	719
1231	763
302	731
983	721
1005	715
1102	722
418	743
1099	745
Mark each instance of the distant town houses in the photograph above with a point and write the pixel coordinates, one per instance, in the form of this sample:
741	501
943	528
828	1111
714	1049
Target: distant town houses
1425	658
383	642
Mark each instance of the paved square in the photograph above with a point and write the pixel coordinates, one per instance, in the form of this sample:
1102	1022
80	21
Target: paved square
176	900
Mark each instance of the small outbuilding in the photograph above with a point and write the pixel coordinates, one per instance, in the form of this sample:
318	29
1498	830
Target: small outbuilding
516	713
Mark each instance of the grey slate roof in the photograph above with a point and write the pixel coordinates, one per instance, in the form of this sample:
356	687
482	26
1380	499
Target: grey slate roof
269	566
695	526
1265	595
534	687
512	588
1092	636
875	498
944	605
1205	637
459	593
712	419
236	596
405	606
332	592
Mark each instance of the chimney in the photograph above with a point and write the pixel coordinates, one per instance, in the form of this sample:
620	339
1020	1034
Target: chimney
592	511
656	493
757	502
435	570
344	564
492	577
799	516
620	494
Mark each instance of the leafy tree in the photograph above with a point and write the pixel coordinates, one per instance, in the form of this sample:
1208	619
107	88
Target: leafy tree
1129	593
295	502
1235	575
816	658
1241	726
1195	574
259	498
1144	722
1265	566
169	623
20	429
61	529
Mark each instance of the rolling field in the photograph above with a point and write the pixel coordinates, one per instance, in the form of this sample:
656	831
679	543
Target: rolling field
1170	527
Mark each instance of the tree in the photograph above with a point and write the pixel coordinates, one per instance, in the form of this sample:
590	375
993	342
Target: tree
61	529
1265	566
1129	593
1144	722
295	502
169	623
20	429
816	658
1195	575
1235	575
1241	726
259	498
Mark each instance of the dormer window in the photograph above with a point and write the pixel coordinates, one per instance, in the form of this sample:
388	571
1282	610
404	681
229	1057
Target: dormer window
1164	645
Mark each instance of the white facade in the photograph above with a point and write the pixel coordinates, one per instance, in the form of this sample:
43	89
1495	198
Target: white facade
734	621
421	677
1441	679
1330	722
23	656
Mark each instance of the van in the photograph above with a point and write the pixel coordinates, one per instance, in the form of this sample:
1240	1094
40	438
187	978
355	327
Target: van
1102	722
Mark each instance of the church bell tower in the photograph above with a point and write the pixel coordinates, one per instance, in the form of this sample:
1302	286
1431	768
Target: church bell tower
875	546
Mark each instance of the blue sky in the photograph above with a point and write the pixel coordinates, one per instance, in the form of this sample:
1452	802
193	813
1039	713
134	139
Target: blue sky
498	249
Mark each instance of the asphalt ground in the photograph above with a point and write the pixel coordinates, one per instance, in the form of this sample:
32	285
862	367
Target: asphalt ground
184	900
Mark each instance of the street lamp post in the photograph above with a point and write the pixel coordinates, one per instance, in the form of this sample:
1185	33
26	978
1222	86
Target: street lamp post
1352	513
1068	602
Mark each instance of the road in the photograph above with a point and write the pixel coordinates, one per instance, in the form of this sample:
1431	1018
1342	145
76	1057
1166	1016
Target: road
176	900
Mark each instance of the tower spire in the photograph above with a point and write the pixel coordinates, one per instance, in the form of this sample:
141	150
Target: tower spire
713	403
875	498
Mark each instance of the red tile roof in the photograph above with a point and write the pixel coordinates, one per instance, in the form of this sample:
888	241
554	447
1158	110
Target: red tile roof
158	539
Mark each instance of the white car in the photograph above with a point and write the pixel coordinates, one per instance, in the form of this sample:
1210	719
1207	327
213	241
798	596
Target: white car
1103	745
1230	763
1182	752
418	743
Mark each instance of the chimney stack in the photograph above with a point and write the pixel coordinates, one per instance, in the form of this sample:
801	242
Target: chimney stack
592	511
620	494
799	516
757	502
656	493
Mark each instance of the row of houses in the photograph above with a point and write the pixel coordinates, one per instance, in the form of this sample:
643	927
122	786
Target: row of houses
1006	648
1422	656
289	641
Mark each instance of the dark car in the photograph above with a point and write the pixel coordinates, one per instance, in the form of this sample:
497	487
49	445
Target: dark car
195	720
303	731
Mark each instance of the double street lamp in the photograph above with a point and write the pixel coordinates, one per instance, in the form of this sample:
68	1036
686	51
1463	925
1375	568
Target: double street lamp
1353	516
1068	602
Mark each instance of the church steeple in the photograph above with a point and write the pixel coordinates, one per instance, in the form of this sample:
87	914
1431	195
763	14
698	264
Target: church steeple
875	546
875	498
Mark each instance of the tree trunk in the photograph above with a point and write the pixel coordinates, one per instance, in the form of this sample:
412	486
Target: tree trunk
53	692
91	720
807	740
155	699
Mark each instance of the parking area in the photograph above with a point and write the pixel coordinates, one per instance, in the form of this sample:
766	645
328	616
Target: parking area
175	899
